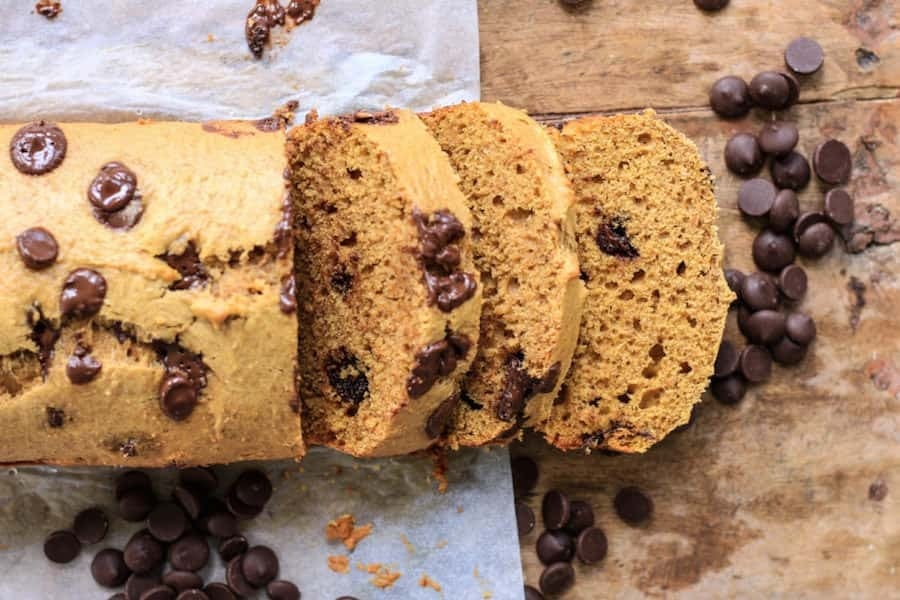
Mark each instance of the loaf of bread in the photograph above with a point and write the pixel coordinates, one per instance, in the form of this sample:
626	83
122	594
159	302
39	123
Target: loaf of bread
147	311
657	300
389	296
524	248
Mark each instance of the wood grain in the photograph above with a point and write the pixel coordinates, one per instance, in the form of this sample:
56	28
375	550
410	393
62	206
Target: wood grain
618	54
771	498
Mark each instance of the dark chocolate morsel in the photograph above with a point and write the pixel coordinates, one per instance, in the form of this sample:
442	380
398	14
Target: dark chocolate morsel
800	328
282	590
554	546
613	239
108	568
804	56
555	510
178	396
790	171
792	282
756	363
83	293
743	155
777	138
729	97
524	518
591	545
772	251
839	207
90	526
38	148
769	90
784	211
61	547
37	247
557	578
259	566
729	390
833	162
765	327
786	352
632	505
756	197
726	360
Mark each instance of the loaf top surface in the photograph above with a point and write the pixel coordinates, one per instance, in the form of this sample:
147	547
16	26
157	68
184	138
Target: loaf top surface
191	271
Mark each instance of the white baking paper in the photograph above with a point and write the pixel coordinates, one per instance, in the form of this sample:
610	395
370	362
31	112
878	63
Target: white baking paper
114	60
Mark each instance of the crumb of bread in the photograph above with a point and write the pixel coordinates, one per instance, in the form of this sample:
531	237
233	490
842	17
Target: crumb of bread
210	37
427	582
409	547
340	528
439	459
143	121
357	535
441	544
459	509
385	578
339	563
311	117
370	568
487	595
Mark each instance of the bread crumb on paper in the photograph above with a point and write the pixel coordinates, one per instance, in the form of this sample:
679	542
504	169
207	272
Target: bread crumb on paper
340	528
427	582
385	578
409	547
370	568
439	472
357	535
339	563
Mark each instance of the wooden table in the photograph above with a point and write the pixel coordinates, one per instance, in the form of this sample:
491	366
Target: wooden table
782	496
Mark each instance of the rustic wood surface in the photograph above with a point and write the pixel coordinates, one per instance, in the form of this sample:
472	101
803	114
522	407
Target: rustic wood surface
794	493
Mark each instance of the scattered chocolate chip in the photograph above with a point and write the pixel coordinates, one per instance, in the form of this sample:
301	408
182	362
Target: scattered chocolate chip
786	352
37	148
108	568
167	522
82	368
56	417
182	580
132	480
220	523
800	328
235	577
219	591
37	247
177	397
192	595
61	547
765	326
282	590
259	566
728	390
557	578
777	138
806	220
532	594
346	376
232	546
524	518
189	552
83	293
734	279
729	97
784	211
833	162
524	474
239	509
792	282
200	480
555	510
772	251
839	206
793	86
758	292
439	256
138	583
287	299
253	487
816	240
756	197
804	56
517	389
770	90
581	516
118	596
726	360
710	5
90	526
632	505
440	417
756	363
743	155
612	238
159	592
136	504
188	500
143	552
555	546
878	490
790	171
591	546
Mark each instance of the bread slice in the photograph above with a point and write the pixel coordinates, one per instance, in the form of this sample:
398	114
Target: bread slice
656	296
524	248
389	295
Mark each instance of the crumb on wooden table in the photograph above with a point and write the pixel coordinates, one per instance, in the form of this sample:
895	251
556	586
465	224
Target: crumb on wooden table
339	563
427	582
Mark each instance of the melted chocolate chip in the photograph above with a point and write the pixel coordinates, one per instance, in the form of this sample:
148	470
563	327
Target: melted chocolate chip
82	367
347	377
450	291
302	10
439	255
177	397
124	219
37	247
44	336
436	360
283	230
56	417
546	383
287	299
341	281
256	29
113	187
83	293
182	382
188	265
38	148
517	387
612	237
437	421
467	399
274	13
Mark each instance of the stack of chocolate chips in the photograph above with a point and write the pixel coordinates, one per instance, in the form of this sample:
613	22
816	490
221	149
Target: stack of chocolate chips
767	299
178	531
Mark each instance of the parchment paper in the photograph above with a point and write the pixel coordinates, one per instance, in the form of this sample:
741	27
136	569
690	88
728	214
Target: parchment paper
117	60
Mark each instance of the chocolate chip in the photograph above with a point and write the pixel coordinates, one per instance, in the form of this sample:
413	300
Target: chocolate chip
612	238
777	138
143	552
282	590
256	30
743	155
56	417
729	97
517	388
90	526
167	522
132	480
793	86
806	220
772	251
259	566
439	256
341	281
784	211
189	266
800	328
734	279
440	417
839	207
591	546
83	293
239	509
436	360
177	397
187	499
118	596
37	148
138	583
192	595
189	553
729	390
758	292
346	376
816	240
770	90
220	523
581	516
756	197
61	547
804	56
765	327
756	363
790	171
82	368
524	518
123	219
786	352
450	291
274	13
108	568
182	580
557	578
632	505
532	594
113	187
711	5
253	487
726	360
555	510
524	474
555	546
200	480
833	162
287	299
136	504
159	592
219	591
37	247
232	546
792	282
